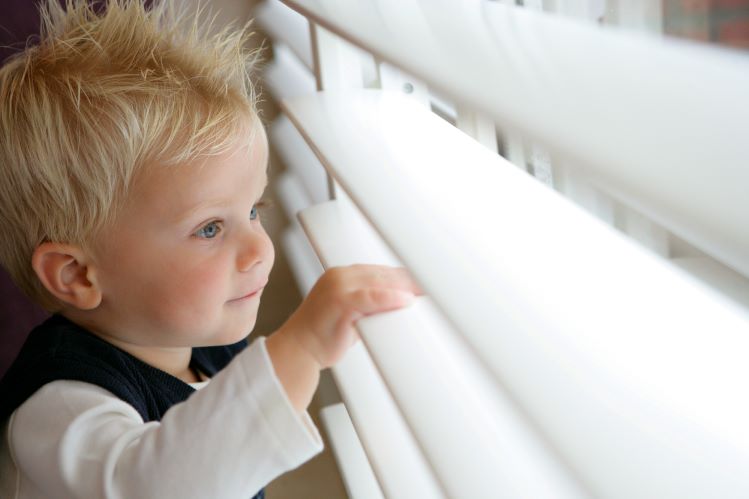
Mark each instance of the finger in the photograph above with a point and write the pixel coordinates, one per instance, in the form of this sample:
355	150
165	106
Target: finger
385	277
367	301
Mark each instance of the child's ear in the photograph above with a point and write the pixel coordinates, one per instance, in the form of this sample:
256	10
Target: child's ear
65	271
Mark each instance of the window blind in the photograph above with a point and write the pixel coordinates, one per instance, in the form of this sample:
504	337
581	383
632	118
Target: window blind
565	358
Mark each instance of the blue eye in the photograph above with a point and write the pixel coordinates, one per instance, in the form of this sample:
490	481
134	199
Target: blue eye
253	212
209	230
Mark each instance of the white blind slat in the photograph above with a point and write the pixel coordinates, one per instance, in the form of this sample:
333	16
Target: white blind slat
292	194
393	452
394	455
656	146
721	277
356	472
302	259
473	437
596	338
299	158
285	25
286	76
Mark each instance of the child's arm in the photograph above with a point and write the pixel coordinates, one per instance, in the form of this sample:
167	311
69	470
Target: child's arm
318	334
74	439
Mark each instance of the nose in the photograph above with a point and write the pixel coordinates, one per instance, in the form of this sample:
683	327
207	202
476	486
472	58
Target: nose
255	247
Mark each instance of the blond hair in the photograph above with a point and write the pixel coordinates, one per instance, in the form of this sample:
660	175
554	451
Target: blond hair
106	91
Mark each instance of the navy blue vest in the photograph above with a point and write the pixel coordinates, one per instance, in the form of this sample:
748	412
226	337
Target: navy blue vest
59	349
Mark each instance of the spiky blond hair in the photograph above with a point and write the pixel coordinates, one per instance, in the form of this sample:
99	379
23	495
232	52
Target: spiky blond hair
108	91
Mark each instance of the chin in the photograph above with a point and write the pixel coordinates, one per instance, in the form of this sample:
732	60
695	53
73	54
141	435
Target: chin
236	334
224	331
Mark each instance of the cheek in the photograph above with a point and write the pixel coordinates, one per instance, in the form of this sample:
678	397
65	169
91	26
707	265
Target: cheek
182	292
179	281
197	285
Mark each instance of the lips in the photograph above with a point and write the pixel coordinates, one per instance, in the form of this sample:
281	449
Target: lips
250	294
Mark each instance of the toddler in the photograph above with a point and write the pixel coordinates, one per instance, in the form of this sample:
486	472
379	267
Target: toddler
133	168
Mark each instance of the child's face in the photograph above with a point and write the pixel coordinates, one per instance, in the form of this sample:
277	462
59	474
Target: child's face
187	261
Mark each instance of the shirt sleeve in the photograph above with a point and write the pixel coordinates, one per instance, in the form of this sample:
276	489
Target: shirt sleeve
227	440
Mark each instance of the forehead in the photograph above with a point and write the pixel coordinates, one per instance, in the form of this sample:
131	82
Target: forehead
238	171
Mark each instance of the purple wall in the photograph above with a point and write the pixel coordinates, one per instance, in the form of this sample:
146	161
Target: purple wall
19	20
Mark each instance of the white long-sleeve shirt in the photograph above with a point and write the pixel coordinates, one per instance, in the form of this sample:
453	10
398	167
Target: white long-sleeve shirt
228	440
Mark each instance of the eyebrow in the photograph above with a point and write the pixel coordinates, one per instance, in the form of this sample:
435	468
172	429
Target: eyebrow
223	203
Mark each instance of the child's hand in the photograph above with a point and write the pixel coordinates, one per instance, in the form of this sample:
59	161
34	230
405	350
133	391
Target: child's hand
320	331
323	324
